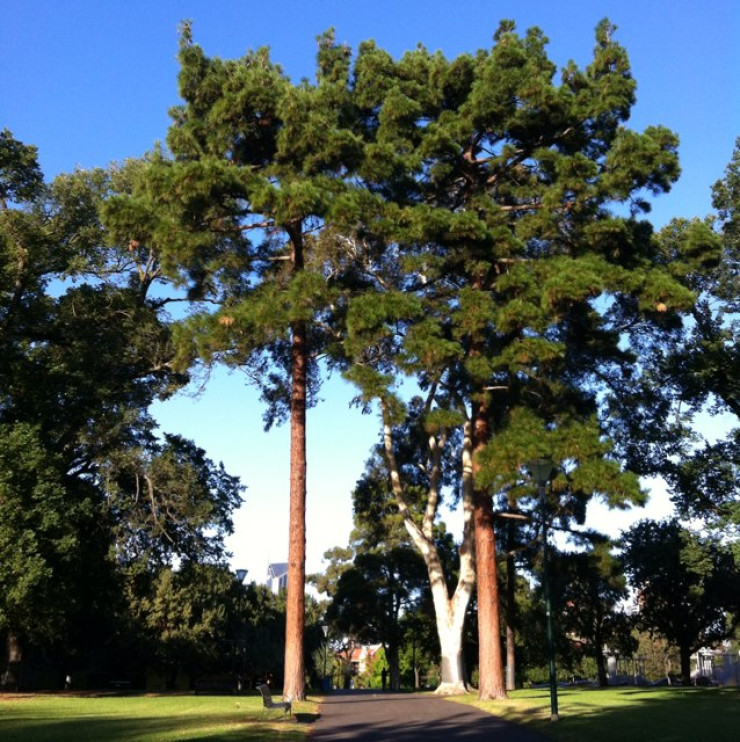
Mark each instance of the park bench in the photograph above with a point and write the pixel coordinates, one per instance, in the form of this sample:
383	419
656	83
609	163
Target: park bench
268	703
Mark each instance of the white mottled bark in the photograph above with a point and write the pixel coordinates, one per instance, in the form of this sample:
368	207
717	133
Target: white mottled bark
449	610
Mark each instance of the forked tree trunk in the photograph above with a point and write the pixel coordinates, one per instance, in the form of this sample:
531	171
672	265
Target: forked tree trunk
294	682
449	629
490	670
449	611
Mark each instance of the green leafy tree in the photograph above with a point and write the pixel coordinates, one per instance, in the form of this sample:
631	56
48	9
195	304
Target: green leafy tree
185	616
590	587
373	595
419	659
53	538
55	580
85	349
687	586
339	560
380	578
701	368
258	630
169	502
20	174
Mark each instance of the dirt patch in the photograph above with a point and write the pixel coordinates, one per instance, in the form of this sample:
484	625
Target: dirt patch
16	696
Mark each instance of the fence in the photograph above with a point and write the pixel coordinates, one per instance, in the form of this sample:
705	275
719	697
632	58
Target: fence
709	667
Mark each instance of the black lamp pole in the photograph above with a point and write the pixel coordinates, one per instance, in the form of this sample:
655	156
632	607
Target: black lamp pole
541	470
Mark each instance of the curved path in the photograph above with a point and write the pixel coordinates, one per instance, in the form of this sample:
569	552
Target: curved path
405	717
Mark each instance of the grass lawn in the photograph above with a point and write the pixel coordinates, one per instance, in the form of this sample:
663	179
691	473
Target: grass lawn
64	717
628	713
601	715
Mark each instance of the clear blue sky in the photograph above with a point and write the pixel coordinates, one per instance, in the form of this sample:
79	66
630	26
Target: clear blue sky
89	82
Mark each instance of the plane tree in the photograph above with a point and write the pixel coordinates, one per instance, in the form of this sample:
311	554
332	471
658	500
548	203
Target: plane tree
52	536
85	348
701	368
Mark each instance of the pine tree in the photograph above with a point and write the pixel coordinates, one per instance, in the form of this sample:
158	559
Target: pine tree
513	284
259	167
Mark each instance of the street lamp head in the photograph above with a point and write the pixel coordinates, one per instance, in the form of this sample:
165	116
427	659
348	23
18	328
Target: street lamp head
241	574
541	470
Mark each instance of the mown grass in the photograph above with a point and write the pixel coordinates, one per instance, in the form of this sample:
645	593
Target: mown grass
617	714
147	718
606	715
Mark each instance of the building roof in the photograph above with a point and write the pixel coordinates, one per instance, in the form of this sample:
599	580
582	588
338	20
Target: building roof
277	569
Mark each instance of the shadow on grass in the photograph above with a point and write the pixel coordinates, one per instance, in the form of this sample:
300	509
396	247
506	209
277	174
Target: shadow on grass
145	729
676	715
305	718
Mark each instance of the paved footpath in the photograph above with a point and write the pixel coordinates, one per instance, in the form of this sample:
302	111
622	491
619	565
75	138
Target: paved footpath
406	717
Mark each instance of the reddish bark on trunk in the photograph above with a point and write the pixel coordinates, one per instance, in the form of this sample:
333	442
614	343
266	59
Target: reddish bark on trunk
294	682
490	671
511	600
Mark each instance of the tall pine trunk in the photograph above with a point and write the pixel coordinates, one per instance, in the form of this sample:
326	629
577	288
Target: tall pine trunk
490	670
510	621
511	618
294	682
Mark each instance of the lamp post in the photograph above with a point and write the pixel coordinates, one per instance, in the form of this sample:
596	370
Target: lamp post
241	575
541	470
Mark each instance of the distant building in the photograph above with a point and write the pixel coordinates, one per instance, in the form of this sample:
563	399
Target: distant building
277	577
360	656
716	666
